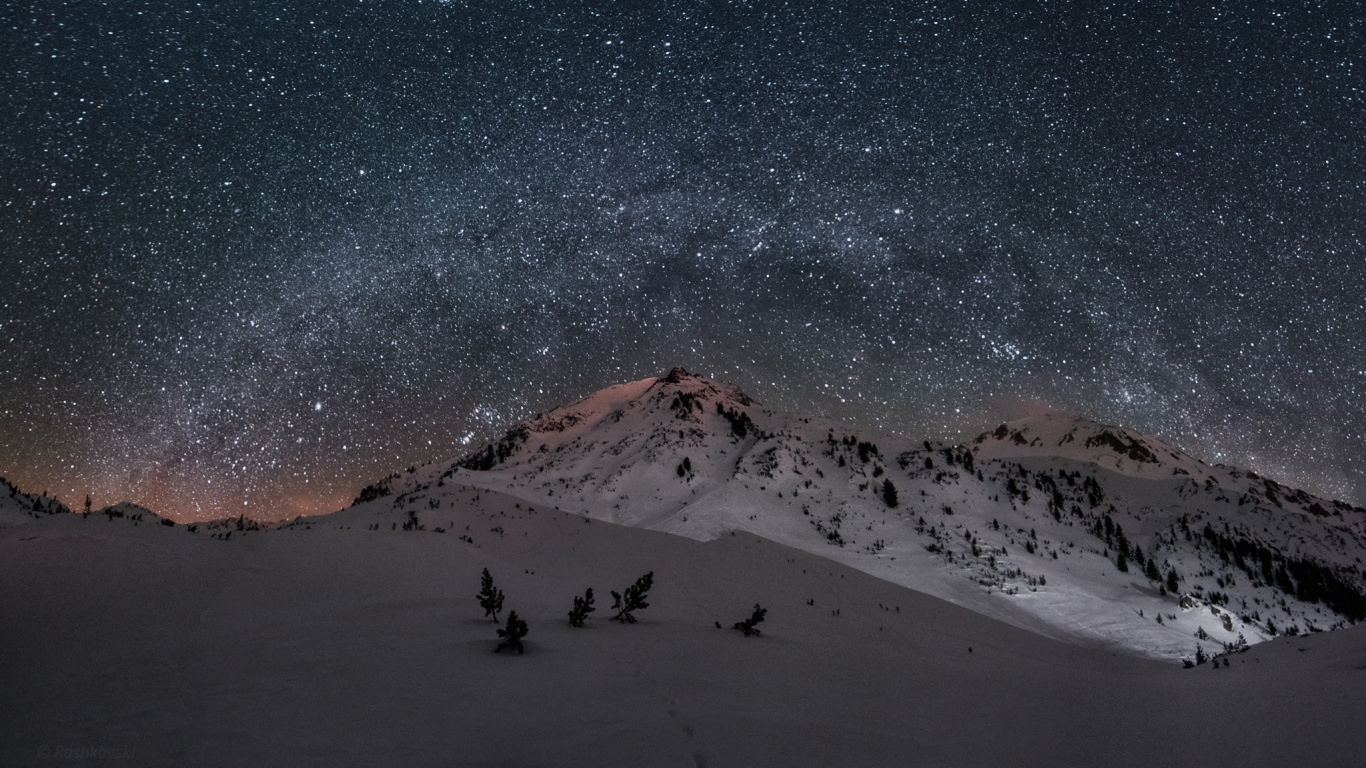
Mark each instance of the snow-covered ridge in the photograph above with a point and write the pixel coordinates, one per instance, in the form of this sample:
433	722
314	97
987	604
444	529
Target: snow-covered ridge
1120	450
1126	452
1059	524
130	511
19	508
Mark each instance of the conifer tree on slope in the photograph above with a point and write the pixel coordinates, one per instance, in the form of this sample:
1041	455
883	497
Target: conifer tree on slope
490	597
582	607
633	600
512	634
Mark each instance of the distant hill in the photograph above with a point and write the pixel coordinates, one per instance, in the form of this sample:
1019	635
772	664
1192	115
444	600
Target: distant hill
19	508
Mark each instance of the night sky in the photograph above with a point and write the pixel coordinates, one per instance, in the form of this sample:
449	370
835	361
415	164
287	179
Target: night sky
259	254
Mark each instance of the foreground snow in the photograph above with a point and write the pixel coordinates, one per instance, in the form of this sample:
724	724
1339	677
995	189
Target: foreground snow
348	640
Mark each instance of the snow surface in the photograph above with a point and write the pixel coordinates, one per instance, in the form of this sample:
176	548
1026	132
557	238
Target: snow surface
350	640
355	638
1005	526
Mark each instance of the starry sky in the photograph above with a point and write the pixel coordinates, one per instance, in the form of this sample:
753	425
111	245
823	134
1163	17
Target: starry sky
258	254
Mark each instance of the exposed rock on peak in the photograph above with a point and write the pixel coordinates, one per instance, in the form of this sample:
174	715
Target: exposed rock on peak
1080	439
678	374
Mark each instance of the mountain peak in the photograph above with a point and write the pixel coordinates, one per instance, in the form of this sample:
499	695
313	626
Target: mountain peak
677	375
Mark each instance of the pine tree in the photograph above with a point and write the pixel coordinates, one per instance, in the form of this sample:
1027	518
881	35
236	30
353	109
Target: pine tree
1151	571
1173	581
1122	563
87	504
748	626
490	597
633	600
582	607
512	634
889	493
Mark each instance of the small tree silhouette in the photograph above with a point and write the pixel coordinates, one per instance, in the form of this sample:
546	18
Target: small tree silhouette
512	634
749	626
582	607
1150	570
889	494
633	600
490	597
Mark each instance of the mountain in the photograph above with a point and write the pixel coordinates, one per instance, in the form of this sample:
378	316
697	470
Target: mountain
1077	530
360	635
130	511
19	508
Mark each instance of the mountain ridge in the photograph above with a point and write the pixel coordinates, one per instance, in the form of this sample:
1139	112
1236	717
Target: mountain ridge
1120	512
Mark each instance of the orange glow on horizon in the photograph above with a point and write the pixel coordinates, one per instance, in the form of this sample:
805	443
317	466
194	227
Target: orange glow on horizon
179	503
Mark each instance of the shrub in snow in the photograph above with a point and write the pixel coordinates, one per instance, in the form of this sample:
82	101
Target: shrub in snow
512	634
750	626
634	599
582	607
490	597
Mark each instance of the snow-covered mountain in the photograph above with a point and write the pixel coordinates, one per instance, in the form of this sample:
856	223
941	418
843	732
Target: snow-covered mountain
1071	528
19	508
360	632
130	511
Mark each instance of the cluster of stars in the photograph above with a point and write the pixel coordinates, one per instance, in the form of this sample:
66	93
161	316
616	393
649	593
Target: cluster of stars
258	255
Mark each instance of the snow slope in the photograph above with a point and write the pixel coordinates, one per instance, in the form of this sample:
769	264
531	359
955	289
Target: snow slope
19	508
1026	525
355	639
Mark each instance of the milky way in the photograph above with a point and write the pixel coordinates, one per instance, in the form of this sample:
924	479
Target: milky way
257	255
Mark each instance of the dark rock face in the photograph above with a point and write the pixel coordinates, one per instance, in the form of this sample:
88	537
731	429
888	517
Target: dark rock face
1123	445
